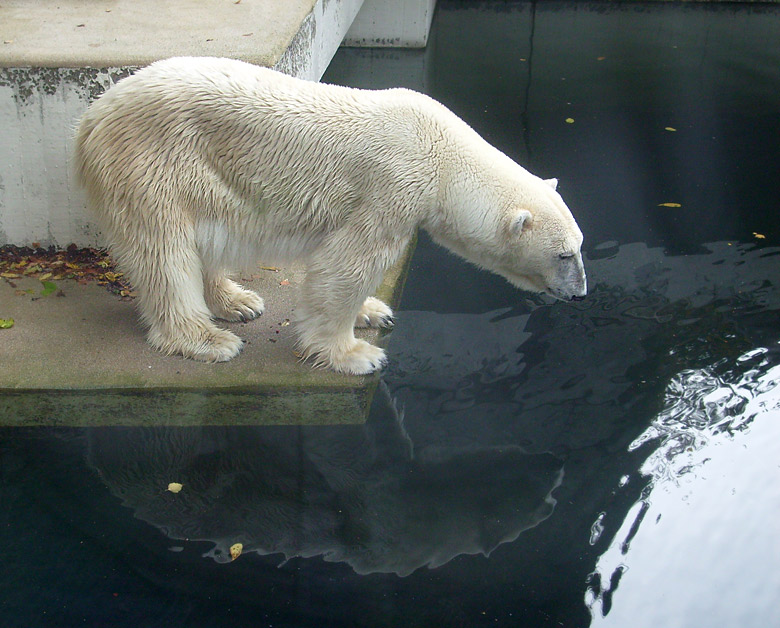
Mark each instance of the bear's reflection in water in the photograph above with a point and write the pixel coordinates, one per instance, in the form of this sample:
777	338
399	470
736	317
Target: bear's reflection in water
358	494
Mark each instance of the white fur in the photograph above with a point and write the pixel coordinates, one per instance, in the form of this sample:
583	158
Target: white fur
196	166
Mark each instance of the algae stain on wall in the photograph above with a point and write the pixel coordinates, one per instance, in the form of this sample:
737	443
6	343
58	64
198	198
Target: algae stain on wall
39	110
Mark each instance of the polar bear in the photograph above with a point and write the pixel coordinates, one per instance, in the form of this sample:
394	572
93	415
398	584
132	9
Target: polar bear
198	166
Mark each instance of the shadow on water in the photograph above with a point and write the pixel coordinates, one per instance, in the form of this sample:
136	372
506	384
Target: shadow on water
525	463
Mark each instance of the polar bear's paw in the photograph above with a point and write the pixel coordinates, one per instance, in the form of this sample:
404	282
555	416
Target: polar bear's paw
363	358
205	343
233	303
374	313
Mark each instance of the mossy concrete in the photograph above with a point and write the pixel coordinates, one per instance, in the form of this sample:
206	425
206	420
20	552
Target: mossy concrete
81	358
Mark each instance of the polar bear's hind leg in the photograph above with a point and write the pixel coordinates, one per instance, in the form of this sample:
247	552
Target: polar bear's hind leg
162	263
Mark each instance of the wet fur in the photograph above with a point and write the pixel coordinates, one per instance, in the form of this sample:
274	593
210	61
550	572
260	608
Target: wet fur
197	166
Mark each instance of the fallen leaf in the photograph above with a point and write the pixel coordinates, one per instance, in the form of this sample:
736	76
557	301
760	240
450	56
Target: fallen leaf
6	323
669	205
48	288
10	275
175	487
44	276
759	236
284	282
235	550
669	128
569	120
600	58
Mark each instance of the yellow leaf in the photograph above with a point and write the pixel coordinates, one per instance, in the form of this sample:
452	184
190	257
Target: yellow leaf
235	550
670	128
569	120
669	205
759	236
175	487
10	275
44	276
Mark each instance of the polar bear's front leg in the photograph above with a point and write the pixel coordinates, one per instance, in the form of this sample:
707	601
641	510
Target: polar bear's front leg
331	298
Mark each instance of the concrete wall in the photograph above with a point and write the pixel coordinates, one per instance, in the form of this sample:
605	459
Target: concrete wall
58	59
392	24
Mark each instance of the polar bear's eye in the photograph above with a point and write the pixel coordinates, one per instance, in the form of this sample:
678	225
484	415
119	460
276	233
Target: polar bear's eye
566	255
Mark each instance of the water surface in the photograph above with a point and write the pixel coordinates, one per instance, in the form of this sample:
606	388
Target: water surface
525	463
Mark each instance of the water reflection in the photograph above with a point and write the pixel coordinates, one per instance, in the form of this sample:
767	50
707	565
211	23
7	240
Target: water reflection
549	437
354	494
712	466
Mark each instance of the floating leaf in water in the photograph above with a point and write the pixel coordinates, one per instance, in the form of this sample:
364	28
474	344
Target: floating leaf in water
6	323
670	128
48	288
759	236
175	487
235	550
569	120
669	205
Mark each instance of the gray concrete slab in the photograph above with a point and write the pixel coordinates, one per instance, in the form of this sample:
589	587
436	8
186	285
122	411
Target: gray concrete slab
78	33
81	359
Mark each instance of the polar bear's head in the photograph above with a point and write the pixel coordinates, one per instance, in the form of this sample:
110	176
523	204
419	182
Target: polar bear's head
542	250
516	225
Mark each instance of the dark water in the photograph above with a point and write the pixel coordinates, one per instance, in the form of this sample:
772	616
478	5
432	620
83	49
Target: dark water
610	462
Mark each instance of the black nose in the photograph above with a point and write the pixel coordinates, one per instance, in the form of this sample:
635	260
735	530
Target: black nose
577	298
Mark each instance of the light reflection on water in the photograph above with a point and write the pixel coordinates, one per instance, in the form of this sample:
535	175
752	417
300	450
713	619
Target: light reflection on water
714	485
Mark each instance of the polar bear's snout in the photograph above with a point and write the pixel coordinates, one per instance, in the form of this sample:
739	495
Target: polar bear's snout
570	283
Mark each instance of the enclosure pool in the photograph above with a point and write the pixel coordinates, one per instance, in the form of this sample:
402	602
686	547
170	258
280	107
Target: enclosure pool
525	463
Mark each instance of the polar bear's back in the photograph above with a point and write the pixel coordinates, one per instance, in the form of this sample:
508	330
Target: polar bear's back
259	136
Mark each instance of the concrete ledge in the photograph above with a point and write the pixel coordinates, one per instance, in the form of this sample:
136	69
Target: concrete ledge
60	57
81	359
134	33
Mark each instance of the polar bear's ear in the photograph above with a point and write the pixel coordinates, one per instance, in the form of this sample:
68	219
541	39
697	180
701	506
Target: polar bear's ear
520	221
553	183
